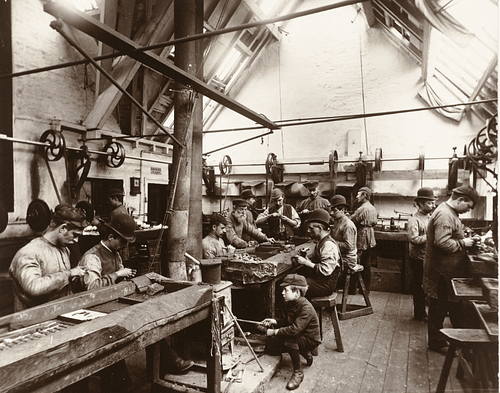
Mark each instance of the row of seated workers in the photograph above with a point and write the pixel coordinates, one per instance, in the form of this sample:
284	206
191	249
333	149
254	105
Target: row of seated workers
41	271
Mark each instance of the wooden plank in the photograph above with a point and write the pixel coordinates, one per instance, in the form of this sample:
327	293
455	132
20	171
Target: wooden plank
57	307
358	363
56	353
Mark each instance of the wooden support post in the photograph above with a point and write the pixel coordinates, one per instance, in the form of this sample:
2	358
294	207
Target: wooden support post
195	228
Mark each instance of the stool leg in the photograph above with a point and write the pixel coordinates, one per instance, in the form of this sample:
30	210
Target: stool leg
445	372
363	289
345	294
320	320
336	328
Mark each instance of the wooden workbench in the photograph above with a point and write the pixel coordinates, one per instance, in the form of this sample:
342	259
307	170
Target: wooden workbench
50	362
264	275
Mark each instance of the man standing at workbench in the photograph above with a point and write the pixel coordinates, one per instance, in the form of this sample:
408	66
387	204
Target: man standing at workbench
446	258
365	218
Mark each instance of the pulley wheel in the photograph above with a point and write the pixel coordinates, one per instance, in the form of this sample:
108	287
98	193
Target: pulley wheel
4	217
378	159
421	159
333	162
38	215
116	154
57	145
225	165
271	161
87	209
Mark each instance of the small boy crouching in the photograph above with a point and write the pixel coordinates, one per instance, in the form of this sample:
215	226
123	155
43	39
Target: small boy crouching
298	334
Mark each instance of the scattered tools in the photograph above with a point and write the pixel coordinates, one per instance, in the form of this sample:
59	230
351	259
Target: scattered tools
235	374
235	320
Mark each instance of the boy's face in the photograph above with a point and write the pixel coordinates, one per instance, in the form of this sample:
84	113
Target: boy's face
289	294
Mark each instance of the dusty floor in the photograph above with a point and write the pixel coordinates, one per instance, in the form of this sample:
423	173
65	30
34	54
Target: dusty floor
384	352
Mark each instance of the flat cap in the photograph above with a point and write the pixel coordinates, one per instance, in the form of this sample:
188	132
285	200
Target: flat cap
240	203
469	192
217	219
276	193
69	214
311	184
247	193
367	190
115	192
294	279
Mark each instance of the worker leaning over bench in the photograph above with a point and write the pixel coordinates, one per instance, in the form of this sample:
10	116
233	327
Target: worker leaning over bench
41	270
237	226
103	263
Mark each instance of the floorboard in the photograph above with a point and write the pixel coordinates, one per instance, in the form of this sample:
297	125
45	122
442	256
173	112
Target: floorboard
385	352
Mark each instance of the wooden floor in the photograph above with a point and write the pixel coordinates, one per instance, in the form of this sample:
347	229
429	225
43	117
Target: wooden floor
383	352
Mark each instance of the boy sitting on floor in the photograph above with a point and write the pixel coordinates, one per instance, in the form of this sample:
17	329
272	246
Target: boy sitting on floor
298	334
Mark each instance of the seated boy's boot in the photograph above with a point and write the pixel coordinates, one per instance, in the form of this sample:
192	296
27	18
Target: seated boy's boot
296	380
180	366
309	358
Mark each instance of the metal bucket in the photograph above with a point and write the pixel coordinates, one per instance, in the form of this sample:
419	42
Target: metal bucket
211	270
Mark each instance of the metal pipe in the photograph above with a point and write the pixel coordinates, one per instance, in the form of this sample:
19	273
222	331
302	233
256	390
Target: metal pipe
102	153
61	28
238	143
308	121
323	162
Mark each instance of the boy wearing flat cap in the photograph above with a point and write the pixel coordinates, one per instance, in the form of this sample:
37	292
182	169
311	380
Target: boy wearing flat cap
298	333
446	258
41	270
237	225
417	235
213	244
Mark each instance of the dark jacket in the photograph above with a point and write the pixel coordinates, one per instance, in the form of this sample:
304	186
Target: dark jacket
301	320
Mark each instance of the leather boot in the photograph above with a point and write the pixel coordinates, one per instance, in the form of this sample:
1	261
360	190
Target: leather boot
180	366
296	380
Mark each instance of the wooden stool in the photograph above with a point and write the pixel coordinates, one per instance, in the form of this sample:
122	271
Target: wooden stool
485	378
329	303
348	311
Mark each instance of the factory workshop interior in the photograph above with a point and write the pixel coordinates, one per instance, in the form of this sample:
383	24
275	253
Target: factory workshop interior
173	174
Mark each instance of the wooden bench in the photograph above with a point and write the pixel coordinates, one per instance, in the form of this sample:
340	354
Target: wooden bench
329	303
483	375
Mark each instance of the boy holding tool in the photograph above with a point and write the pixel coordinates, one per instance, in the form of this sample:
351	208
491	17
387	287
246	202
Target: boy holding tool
298	334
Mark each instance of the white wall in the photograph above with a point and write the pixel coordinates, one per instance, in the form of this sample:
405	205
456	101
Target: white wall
44	99
328	65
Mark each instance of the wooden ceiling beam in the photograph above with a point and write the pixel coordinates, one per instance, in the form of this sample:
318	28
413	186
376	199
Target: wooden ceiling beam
98	30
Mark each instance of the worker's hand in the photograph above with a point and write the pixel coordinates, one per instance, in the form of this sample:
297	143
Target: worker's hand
271	240
469	241
268	322
271	332
274	215
302	260
305	211
126	273
77	271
